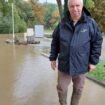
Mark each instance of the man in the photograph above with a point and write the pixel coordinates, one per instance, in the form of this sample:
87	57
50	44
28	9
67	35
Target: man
77	45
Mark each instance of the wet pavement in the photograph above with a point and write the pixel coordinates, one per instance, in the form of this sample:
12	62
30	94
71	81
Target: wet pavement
27	79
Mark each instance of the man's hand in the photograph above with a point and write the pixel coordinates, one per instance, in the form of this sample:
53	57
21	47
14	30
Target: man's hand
53	65
91	67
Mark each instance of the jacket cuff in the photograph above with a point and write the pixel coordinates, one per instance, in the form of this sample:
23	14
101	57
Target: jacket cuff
52	58
94	63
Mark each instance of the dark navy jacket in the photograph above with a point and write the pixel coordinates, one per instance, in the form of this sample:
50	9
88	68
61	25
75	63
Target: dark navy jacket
76	46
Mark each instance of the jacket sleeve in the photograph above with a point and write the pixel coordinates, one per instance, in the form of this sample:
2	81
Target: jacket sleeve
95	44
54	44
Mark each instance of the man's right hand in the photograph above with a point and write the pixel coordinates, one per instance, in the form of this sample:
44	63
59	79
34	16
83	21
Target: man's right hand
53	65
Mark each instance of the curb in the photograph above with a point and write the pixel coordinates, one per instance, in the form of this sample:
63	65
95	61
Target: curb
96	81
47	39
44	54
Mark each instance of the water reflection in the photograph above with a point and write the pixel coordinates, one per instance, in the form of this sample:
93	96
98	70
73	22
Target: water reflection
26	73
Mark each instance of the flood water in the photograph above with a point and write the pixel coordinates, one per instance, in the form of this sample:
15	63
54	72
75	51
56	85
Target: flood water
27	79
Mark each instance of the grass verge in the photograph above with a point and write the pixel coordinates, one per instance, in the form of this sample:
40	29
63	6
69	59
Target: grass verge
99	73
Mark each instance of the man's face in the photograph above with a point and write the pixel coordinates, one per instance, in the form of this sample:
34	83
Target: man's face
75	9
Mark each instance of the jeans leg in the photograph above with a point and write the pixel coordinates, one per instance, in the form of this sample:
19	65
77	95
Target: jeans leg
62	87
78	83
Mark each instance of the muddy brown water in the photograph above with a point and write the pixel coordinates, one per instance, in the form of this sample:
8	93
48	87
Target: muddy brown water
27	79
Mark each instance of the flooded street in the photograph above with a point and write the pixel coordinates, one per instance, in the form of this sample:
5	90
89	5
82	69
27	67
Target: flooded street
27	79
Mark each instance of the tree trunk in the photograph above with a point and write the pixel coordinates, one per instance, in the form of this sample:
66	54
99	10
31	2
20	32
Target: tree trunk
65	7
60	8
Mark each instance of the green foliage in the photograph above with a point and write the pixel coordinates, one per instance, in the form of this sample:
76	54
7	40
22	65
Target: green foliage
38	11
51	15
6	20
5	24
26	14
1	6
89	4
22	26
24	10
98	12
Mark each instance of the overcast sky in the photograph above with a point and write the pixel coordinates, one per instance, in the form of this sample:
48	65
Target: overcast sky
50	1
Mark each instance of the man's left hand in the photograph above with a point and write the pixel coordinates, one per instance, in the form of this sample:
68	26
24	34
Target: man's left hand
91	67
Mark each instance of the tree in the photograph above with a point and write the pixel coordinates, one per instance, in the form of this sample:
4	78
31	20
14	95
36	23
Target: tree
54	19
89	4
51	15
59	2
6	18
65	7
26	14
98	12
37	11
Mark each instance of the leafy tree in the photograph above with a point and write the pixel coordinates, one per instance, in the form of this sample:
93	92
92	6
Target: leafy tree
6	18
26	14
20	25
51	15
5	24
54	19
89	4
98	12
37	11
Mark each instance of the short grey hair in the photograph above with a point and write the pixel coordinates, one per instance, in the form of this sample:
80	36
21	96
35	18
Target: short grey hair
79	0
